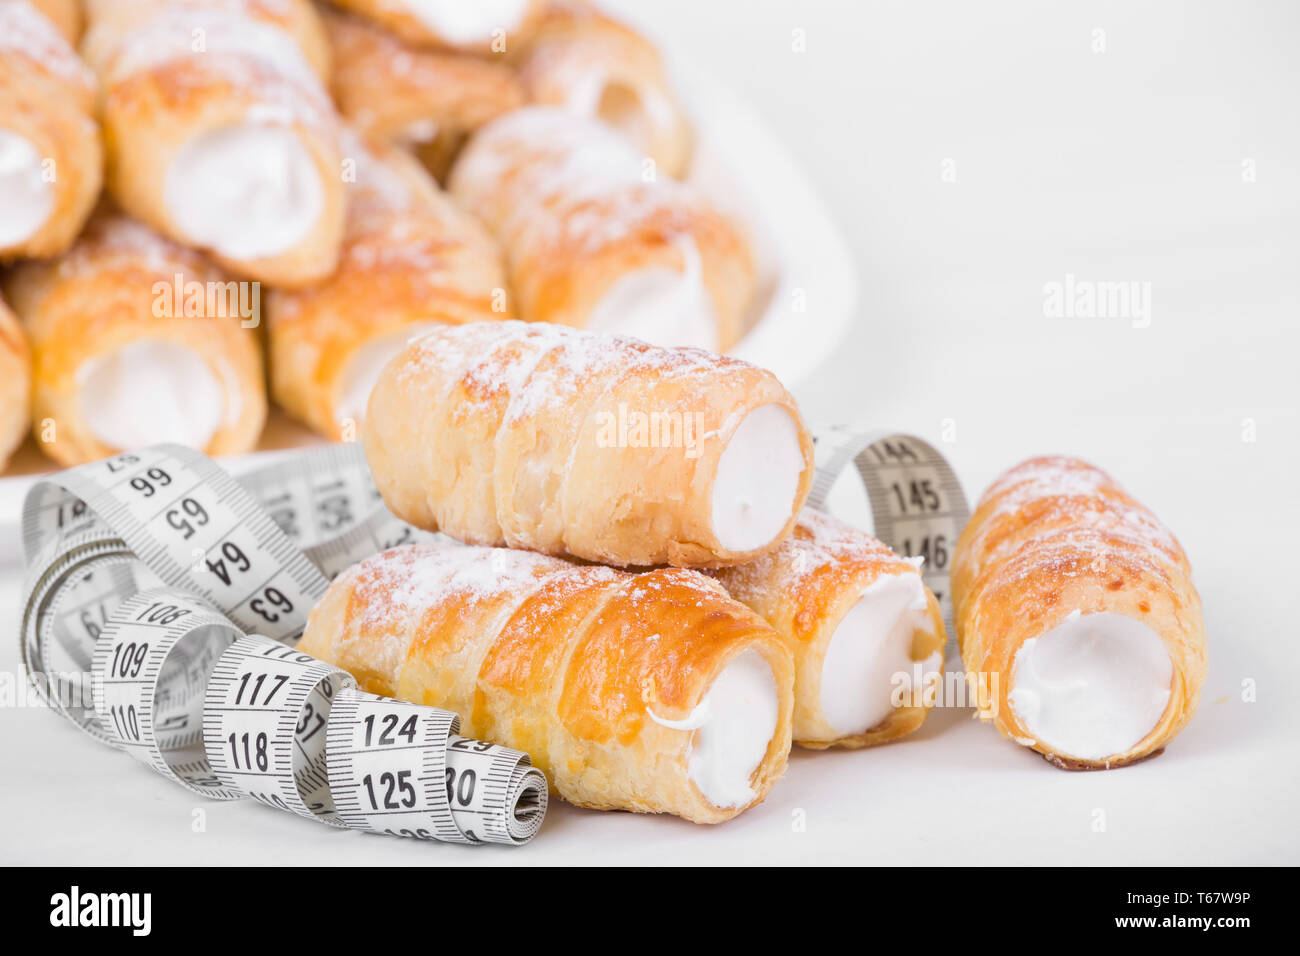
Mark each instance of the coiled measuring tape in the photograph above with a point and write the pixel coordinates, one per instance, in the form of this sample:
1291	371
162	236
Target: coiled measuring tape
917	504
162	601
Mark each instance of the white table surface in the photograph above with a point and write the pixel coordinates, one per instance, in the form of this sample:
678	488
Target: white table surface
1119	165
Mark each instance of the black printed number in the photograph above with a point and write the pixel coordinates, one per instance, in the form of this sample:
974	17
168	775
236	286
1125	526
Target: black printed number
232	561
271	605
397	790
917	495
127	660
149	483
389	730
185	517
247	749
460	791
934	548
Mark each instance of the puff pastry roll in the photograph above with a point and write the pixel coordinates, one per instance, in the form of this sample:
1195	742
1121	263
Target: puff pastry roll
15	384
595	446
865	632
221	133
136	340
591	241
595	66
650	692
469	26
51	154
1079	603
426	100
411	259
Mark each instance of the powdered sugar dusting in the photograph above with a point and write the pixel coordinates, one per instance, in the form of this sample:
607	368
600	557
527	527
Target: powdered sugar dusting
819	543
222	42
404	582
542	177
1058	520
24	31
1059	490
110	239
542	366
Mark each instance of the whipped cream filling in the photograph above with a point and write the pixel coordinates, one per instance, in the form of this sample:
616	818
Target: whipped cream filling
757	479
1093	686
869	648
661	305
26	199
361	371
151	391
247	190
468	21
733	724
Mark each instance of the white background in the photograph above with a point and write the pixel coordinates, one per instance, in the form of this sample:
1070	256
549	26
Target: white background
1119	165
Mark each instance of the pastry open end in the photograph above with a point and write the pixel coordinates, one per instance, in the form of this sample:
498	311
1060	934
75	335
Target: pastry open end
866	633
137	340
51	151
593	65
597	238
233	147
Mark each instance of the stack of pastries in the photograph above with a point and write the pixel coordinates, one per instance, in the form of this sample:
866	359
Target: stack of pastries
567	462
278	170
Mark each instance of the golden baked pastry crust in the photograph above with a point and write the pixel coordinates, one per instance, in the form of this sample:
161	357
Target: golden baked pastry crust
1054	536
496	434
562	661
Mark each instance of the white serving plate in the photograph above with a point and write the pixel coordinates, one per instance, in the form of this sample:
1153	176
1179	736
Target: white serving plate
745	168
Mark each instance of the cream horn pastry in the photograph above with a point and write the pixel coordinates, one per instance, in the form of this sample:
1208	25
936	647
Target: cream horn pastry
427	100
591	64
411	260
468	26
221	133
651	692
593	240
137	340
866	633
596	446
15	384
51	153
1077	605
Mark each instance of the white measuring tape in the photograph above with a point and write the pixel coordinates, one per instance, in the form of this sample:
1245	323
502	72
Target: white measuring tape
162	602
163	599
916	501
